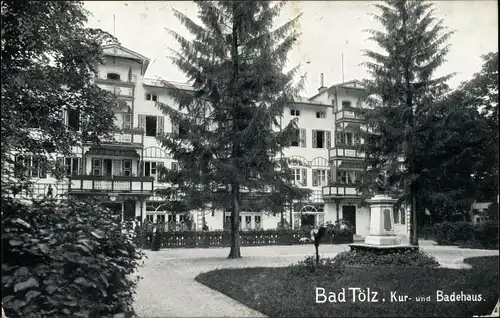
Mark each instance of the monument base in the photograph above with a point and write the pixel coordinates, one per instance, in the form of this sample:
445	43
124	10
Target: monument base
382	240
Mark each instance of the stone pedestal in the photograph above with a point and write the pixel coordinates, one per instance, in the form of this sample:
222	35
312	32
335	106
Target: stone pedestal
382	221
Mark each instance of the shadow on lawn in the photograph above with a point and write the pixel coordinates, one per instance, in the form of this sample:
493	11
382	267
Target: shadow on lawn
280	292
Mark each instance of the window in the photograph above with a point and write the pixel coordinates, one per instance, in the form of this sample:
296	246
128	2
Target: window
175	166
296	175
346	104
357	139
294	112
296	139
257	222
320	177
160	218
182	218
113	76
300	176
321	139
153	125
127	167
149	168
150	217
151	97
30	167
339	138
348	138
320	115
228	219
357	176
74	119
96	166
248	222
127	121
71	166
403	215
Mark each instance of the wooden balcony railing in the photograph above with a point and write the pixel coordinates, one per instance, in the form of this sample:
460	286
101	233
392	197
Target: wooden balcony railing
344	152
345	114
134	138
340	190
111	184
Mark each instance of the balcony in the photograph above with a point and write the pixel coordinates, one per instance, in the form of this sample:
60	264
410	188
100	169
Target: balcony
111	184
347	115
133	138
340	191
345	152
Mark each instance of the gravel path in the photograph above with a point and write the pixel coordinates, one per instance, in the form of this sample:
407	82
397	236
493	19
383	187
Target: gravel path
169	289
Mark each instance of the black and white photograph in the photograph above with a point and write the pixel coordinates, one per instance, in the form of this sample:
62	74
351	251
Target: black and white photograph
250	158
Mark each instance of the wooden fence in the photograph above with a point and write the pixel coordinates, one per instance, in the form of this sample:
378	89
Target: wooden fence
247	238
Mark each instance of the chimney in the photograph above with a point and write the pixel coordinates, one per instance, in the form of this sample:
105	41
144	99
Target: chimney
322	87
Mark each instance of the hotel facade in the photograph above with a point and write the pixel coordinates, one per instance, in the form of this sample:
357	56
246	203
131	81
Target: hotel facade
123	169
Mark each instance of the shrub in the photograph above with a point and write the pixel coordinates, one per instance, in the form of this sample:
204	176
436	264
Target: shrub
407	258
362	258
65	259
483	235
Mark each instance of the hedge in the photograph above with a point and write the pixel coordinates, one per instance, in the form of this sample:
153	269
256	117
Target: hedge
466	234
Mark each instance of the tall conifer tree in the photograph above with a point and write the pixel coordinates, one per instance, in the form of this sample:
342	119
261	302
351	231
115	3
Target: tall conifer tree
404	89
226	138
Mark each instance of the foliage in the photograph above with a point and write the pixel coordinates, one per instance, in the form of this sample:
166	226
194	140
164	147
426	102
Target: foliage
481	94
49	60
368	258
224	137
483	235
404	91
65	259
262	289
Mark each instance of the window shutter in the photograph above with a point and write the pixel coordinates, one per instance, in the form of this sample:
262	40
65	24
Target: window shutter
328	177
142	122
315	178
328	136
304	177
315	139
159	125
303	139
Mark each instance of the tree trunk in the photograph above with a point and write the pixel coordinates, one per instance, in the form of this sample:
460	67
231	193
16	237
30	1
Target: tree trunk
235	224
413	222
235	187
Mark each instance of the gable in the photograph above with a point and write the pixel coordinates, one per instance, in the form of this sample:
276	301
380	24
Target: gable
353	84
120	51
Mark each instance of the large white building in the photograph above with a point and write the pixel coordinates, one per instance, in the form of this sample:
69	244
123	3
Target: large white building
123	170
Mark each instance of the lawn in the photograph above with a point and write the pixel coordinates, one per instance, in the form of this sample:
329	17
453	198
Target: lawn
280	292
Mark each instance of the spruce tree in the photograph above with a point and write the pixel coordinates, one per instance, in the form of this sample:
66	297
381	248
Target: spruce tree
227	138
403	90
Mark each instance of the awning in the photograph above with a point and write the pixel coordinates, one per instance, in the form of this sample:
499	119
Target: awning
115	152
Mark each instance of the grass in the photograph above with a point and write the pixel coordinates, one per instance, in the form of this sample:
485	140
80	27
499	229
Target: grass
280	292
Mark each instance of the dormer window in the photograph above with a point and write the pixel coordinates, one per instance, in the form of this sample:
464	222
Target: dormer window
152	97
113	76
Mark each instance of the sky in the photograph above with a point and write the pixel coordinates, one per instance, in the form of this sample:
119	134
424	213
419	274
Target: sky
329	30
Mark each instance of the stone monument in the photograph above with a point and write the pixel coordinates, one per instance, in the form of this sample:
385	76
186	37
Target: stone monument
381	236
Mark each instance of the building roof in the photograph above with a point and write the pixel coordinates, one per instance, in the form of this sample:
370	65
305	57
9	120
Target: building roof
119	51
353	84
158	82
